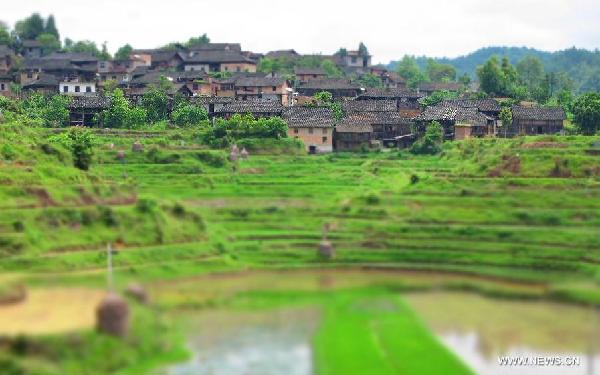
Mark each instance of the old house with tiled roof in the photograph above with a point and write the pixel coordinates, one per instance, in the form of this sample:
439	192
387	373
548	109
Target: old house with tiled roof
212	104
44	84
218	61
354	132
407	101
32	49
83	110
458	122
257	108
313	125
309	74
7	57
339	88
363	129
6	82
353	106
535	120
263	88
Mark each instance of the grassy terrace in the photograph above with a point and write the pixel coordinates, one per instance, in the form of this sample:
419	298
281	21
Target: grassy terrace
526	209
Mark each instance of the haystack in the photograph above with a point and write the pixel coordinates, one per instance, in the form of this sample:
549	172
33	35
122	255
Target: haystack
138	292
112	316
233	156
121	155
137	147
326	249
244	153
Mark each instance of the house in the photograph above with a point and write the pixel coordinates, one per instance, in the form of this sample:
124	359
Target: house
430	88
257	108
118	70
212	104
283	54
339	88
535	120
83	110
355	59
76	87
458	122
44	84
217	47
64	66
218	61
164	59
489	107
6	82
308	74
313	125
354	132
264	88
7	57
32	49
407	101
353	106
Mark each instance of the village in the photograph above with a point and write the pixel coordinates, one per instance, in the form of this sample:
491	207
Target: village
224	80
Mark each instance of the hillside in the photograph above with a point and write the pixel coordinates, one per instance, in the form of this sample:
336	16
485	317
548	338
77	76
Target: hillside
583	66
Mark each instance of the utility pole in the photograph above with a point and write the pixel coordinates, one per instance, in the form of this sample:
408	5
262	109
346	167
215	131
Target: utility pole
109	275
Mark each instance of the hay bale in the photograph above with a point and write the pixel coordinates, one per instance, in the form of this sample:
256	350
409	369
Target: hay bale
112	316
326	250
137	147
121	155
244	153
138	293
233	156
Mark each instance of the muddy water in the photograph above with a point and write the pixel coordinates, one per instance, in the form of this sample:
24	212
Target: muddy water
480	330
246	343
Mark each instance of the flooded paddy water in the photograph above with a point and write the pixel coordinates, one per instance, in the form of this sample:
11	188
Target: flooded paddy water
477	329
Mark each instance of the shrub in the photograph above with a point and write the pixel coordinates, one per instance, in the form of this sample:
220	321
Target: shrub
431	142
213	159
189	115
81	143
146	206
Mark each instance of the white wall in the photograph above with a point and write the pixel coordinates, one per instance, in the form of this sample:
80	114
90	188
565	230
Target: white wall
197	68
71	88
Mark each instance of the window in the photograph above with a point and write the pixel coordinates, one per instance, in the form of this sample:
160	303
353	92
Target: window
324	139
310	130
29	75
77	89
353	59
324	131
65	88
238	69
274	88
314	76
295	130
2	86
88	88
195	86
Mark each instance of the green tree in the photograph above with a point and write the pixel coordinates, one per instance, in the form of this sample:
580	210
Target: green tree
440	72
189	115
81	142
5	38
342	52
362	49
586	112
331	69
49	43
156	104
30	27
465	79
124	52
82	46
121	114
410	70
370	80
438	97
50	27
491	77
195	41
431	142
104	54
51	111
531	71
506	116
325	99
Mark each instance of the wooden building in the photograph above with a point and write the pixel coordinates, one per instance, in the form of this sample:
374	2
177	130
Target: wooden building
83	110
257	108
309	74
313	125
470	120
339	88
353	132
535	120
407	101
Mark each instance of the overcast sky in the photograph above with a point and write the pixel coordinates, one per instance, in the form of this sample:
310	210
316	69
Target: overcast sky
390	29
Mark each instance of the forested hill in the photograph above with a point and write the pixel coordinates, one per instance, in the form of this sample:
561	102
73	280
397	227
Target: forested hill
583	66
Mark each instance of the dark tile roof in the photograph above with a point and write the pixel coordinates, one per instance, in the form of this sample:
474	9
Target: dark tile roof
378	93
538	113
160	56
46	64
252	106
217	47
211	100
441	112
89	102
351	106
44	80
329	84
309	71
5	51
441	86
485	105
216	57
75	57
309	117
283	53
153	77
31	43
356	123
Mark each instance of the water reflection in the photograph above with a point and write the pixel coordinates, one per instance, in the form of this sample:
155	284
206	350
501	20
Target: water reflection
480	329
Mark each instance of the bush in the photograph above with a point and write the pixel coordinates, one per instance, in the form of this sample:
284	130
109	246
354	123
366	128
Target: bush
213	159
189	115
81	145
431	142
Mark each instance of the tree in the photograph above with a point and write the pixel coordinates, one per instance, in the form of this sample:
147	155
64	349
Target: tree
5	36
440	72
124	52
189	115
437	97
325	99
431	142
51	111
331	69
156	104
50	27
531	71
506	117
49	43
491	77
82	46
362	49
465	79
371	80
104	55
196	41
81	142
410	70
121	114
30	27
586	112
342	52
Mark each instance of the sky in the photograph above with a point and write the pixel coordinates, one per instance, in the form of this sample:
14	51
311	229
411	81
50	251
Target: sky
390	29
